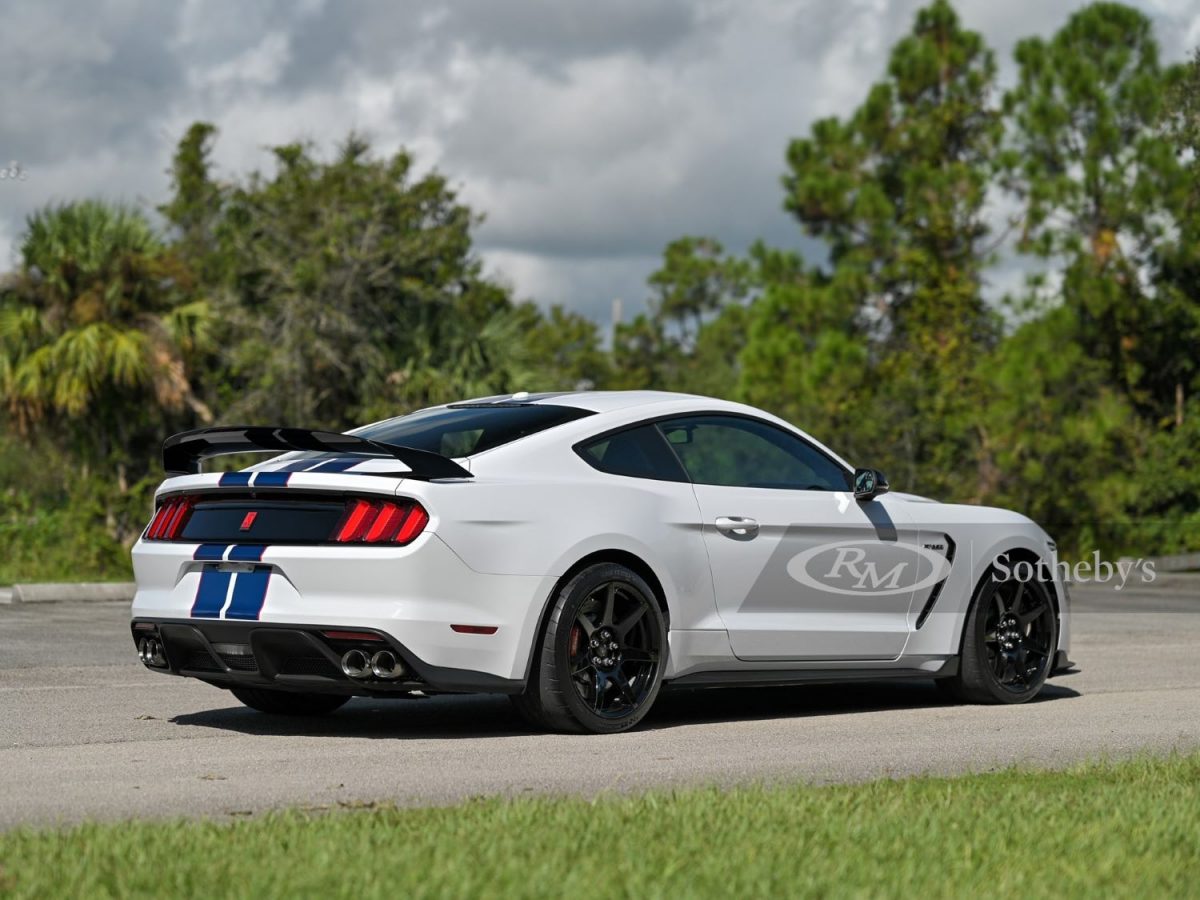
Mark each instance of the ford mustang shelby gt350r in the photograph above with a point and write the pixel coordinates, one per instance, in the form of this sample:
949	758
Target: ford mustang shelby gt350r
577	551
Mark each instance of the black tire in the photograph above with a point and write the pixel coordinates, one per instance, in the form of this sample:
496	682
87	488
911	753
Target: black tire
580	683
1009	641
287	703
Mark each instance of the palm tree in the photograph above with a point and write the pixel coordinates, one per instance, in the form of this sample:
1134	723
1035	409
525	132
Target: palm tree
97	327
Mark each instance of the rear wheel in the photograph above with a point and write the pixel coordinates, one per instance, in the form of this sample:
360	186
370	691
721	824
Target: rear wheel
1008	643
287	703
598	667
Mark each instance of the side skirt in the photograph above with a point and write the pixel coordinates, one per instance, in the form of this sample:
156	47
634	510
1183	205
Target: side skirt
778	677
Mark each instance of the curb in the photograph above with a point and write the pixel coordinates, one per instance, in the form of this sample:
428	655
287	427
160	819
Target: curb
94	592
1180	562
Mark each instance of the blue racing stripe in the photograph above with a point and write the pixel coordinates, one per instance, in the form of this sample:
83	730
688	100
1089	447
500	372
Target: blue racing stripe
210	551
336	465
271	479
302	466
235	479
210	593
247	552
249	594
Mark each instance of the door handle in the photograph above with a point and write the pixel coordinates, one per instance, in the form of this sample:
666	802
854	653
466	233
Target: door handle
737	525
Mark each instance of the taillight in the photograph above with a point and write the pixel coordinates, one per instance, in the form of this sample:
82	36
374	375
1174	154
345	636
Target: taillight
381	522
168	521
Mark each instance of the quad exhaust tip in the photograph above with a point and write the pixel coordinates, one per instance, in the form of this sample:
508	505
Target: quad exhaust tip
356	664
384	665
150	651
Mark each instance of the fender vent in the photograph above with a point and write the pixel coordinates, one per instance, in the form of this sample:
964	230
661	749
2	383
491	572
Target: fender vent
937	588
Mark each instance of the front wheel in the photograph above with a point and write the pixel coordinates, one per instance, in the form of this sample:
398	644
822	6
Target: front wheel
599	665
1009	641
288	703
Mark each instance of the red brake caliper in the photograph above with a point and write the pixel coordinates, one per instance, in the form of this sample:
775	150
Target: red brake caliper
576	637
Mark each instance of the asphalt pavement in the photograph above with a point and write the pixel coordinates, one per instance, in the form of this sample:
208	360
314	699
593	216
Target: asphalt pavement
87	733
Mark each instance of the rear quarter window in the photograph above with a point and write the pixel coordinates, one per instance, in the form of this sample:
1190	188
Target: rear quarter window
638	452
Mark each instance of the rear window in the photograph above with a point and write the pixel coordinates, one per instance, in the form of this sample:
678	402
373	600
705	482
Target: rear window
464	430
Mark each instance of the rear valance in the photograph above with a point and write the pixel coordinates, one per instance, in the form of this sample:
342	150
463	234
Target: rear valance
182	453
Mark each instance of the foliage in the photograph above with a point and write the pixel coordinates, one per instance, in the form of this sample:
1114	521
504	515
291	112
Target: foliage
1102	829
897	193
325	292
53	517
1095	178
97	331
689	338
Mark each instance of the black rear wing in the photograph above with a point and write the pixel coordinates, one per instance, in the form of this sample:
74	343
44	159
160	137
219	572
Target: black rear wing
182	453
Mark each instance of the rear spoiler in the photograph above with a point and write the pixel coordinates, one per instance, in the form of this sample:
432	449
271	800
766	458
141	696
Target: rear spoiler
182	453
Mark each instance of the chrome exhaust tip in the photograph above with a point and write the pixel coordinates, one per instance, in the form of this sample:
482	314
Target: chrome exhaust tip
385	665
150	652
356	664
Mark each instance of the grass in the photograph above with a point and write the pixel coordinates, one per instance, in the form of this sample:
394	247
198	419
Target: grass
1121	828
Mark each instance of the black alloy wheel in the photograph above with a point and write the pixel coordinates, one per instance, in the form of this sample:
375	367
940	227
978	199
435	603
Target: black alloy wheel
1009	640
599	664
615	650
1018	635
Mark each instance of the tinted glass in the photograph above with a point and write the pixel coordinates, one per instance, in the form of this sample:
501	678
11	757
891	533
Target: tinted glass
465	429
638	453
740	452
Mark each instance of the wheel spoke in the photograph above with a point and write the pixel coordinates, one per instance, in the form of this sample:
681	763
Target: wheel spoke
610	601
639	656
1002	666
1025	619
586	624
624	689
601	685
1018	596
582	664
622	627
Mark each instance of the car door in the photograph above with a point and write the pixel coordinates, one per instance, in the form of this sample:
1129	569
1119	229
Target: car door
801	570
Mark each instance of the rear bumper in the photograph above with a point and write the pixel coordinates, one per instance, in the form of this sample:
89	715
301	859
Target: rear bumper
298	658
412	595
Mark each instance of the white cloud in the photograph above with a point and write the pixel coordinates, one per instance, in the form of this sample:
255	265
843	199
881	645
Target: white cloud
589	135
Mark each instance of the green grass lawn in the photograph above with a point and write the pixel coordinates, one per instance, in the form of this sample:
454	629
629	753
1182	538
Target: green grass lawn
1126	828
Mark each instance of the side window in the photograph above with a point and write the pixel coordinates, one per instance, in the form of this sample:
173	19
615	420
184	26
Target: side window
639	453
729	450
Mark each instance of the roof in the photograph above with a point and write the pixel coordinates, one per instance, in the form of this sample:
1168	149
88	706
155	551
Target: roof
610	401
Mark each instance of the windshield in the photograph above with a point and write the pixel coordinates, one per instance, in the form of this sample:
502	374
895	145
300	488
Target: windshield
463	429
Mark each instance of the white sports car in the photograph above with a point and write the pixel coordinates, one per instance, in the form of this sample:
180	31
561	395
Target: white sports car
577	551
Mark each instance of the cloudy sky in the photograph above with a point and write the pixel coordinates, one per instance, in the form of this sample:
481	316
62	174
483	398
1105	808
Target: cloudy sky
591	134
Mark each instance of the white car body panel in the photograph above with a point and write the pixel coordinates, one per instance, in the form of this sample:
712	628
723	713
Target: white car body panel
498	543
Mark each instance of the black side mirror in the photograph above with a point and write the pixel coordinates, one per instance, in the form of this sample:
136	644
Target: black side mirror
869	484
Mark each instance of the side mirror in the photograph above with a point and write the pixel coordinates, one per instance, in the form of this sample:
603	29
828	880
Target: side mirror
869	484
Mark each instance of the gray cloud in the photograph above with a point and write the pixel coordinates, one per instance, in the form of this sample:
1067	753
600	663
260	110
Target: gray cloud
590	134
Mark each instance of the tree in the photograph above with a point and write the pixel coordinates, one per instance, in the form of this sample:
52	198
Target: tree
690	338
347	288
1087	162
98	328
807	357
897	192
